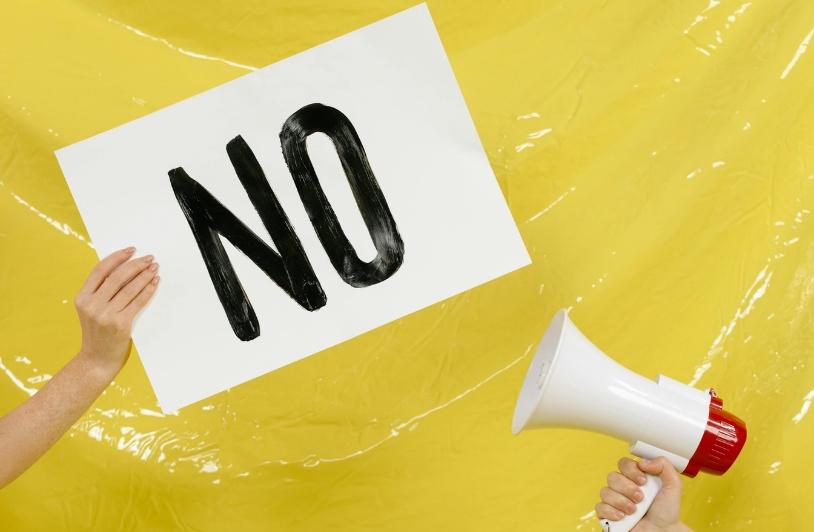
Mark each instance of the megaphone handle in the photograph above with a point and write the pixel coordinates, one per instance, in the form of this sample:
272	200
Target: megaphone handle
650	490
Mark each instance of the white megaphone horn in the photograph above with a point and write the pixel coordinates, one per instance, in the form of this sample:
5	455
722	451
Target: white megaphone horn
572	384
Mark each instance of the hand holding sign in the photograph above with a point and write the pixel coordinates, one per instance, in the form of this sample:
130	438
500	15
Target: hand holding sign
107	304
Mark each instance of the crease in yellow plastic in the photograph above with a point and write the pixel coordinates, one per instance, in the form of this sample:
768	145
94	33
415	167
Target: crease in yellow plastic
657	158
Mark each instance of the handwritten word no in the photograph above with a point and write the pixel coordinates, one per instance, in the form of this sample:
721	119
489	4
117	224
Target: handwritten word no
289	267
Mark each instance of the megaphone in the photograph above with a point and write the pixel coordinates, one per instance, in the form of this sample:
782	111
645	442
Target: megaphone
572	384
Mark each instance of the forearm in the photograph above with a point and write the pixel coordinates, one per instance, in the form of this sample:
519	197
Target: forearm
29	430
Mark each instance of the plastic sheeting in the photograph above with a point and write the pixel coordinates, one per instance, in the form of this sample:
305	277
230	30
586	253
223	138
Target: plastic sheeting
657	159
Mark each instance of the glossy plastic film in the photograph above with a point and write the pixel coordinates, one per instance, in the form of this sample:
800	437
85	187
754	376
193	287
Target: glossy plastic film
657	158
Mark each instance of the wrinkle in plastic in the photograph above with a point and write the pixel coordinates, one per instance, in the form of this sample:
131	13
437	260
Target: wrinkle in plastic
657	160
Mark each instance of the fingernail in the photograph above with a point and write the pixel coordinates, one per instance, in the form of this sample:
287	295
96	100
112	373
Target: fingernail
153	267
619	515
645	462
148	258
155	279
131	249
641	481
631	508
638	496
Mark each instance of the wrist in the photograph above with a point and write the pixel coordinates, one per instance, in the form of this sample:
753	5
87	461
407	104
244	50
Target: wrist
98	369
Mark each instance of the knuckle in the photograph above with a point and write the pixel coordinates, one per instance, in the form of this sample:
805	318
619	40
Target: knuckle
126	291
106	320
89	310
664	463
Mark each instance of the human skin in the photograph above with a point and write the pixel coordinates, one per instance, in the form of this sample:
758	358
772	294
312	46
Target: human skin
620	496
110	299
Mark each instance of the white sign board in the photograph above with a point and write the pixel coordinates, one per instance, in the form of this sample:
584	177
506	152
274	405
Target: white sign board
427	219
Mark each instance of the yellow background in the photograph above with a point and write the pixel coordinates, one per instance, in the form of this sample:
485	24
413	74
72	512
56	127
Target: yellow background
657	158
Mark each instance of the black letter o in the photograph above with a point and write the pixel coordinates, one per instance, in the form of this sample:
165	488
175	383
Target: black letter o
380	224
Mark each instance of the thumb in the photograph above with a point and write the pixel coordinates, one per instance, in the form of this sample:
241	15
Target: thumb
665	470
670	479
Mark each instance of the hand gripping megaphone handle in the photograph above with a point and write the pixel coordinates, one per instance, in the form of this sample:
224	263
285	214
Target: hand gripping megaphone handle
650	490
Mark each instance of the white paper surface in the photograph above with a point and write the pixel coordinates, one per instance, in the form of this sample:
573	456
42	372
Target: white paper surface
393	81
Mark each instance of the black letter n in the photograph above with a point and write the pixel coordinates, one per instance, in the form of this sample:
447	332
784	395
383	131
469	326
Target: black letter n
207	217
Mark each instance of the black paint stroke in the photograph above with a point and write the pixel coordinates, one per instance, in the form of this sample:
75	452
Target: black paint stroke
369	197
207	217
